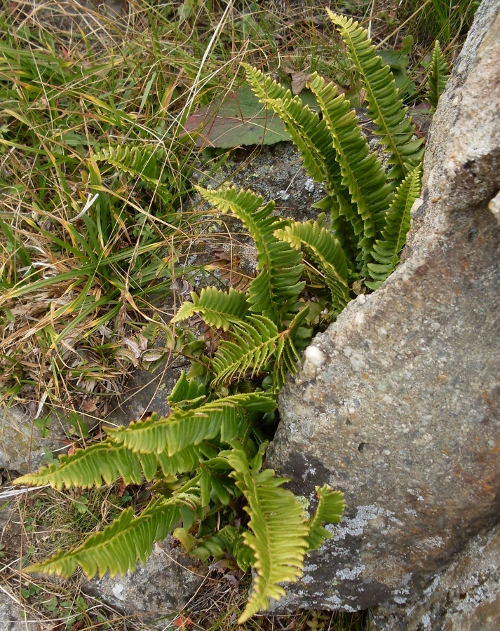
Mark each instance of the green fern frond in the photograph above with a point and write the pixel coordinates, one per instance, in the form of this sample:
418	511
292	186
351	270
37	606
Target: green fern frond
439	75
310	135
362	172
185	428
275	290
279	552
325	250
214	480
342	229
87	468
255	345
308	132
331	505
149	163
386	250
394	126
219	309
120	545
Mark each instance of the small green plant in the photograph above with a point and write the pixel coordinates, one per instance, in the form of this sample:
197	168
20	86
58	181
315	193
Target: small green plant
205	458
438	76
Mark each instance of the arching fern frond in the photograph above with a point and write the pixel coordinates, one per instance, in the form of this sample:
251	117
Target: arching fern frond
439	75
279	551
385	109
362	172
218	308
121	544
331	505
310	135
87	468
186	428
308	132
386	250
275	290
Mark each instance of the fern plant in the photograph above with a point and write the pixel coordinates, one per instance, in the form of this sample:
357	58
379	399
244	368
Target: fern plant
438	76
205	458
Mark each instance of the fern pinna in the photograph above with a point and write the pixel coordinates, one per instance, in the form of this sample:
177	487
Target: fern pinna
206	457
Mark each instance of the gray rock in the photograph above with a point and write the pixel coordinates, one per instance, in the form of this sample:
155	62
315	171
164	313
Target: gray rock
464	597
146	392
275	172
11	617
158	590
399	408
22	447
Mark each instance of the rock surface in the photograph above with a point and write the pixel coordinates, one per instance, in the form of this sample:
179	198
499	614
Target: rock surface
11	614
22	446
464	597
403	414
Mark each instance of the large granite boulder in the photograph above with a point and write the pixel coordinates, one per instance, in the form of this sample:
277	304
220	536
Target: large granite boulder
398	404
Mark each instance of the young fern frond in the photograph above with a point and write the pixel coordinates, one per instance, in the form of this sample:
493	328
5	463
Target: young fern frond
219	309
186	428
87	468
275	290
215	479
324	249
291	342
342	228
386	250
330	507
385	109
362	172
118	547
439	75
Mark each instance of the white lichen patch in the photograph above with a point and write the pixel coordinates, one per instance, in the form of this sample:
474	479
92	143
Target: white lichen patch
349	574
355	526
